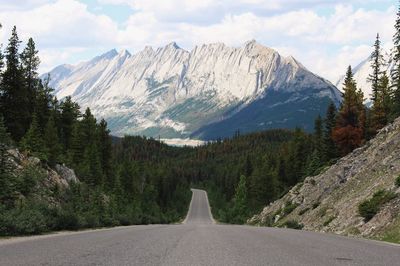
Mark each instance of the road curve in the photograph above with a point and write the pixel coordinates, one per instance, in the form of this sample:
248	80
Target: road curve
198	241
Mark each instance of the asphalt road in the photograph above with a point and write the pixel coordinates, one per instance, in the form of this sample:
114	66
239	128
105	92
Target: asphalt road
198	241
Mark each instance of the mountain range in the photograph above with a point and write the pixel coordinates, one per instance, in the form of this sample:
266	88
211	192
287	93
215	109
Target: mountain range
210	92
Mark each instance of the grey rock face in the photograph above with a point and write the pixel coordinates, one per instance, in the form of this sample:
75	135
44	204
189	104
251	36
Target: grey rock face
66	173
329	202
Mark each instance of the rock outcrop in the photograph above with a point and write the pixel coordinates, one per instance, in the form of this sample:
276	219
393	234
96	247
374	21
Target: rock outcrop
329	201
60	175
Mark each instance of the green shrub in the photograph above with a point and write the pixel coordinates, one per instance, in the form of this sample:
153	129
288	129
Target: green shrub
268	221
91	220
278	212
28	180
329	220
322	211
315	205
68	219
369	208
289	207
303	211
30	222
293	224
397	182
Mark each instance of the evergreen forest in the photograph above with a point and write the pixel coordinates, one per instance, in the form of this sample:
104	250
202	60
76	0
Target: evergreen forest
139	180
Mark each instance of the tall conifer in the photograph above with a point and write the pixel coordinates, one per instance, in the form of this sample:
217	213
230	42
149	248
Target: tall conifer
14	95
329	146
377	62
30	63
33	140
395	73
53	149
350	123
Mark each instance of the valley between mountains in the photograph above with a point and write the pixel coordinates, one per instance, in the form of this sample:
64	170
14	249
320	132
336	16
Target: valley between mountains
275	147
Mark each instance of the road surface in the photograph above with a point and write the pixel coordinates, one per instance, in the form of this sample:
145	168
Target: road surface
198	241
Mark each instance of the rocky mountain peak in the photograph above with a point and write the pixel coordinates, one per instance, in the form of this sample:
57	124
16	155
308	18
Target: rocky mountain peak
124	53
172	92
107	55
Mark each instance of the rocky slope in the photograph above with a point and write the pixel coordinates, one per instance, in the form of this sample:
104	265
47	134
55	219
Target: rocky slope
329	202
59	176
171	92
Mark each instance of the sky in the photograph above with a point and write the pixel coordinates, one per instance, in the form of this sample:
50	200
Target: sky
324	35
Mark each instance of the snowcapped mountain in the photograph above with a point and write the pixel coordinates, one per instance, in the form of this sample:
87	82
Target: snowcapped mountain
208	92
361	73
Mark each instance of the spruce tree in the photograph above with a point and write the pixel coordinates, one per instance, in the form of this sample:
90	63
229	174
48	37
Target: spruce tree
383	104
43	102
377	62
89	127
239	210
1	62
91	166
395	73
14	100
69	116
77	146
349	131
329	146
105	147
30	63
53	149
318	136
33	140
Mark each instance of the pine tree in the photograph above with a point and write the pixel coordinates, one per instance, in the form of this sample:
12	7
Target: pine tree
239	210
395	74
329	146
53	149
91	166
30	63
349	131
262	185
377	62
318	136
33	141
14	101
89	127
1	62
69	116
105	147
383	105
77	146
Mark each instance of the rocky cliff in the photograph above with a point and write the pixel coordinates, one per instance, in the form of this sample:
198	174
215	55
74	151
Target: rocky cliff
329	202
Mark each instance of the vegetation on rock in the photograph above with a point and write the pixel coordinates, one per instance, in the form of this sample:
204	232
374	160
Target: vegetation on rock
367	209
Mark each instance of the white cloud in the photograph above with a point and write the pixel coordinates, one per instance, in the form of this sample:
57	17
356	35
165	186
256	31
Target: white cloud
63	27
13	5
325	43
